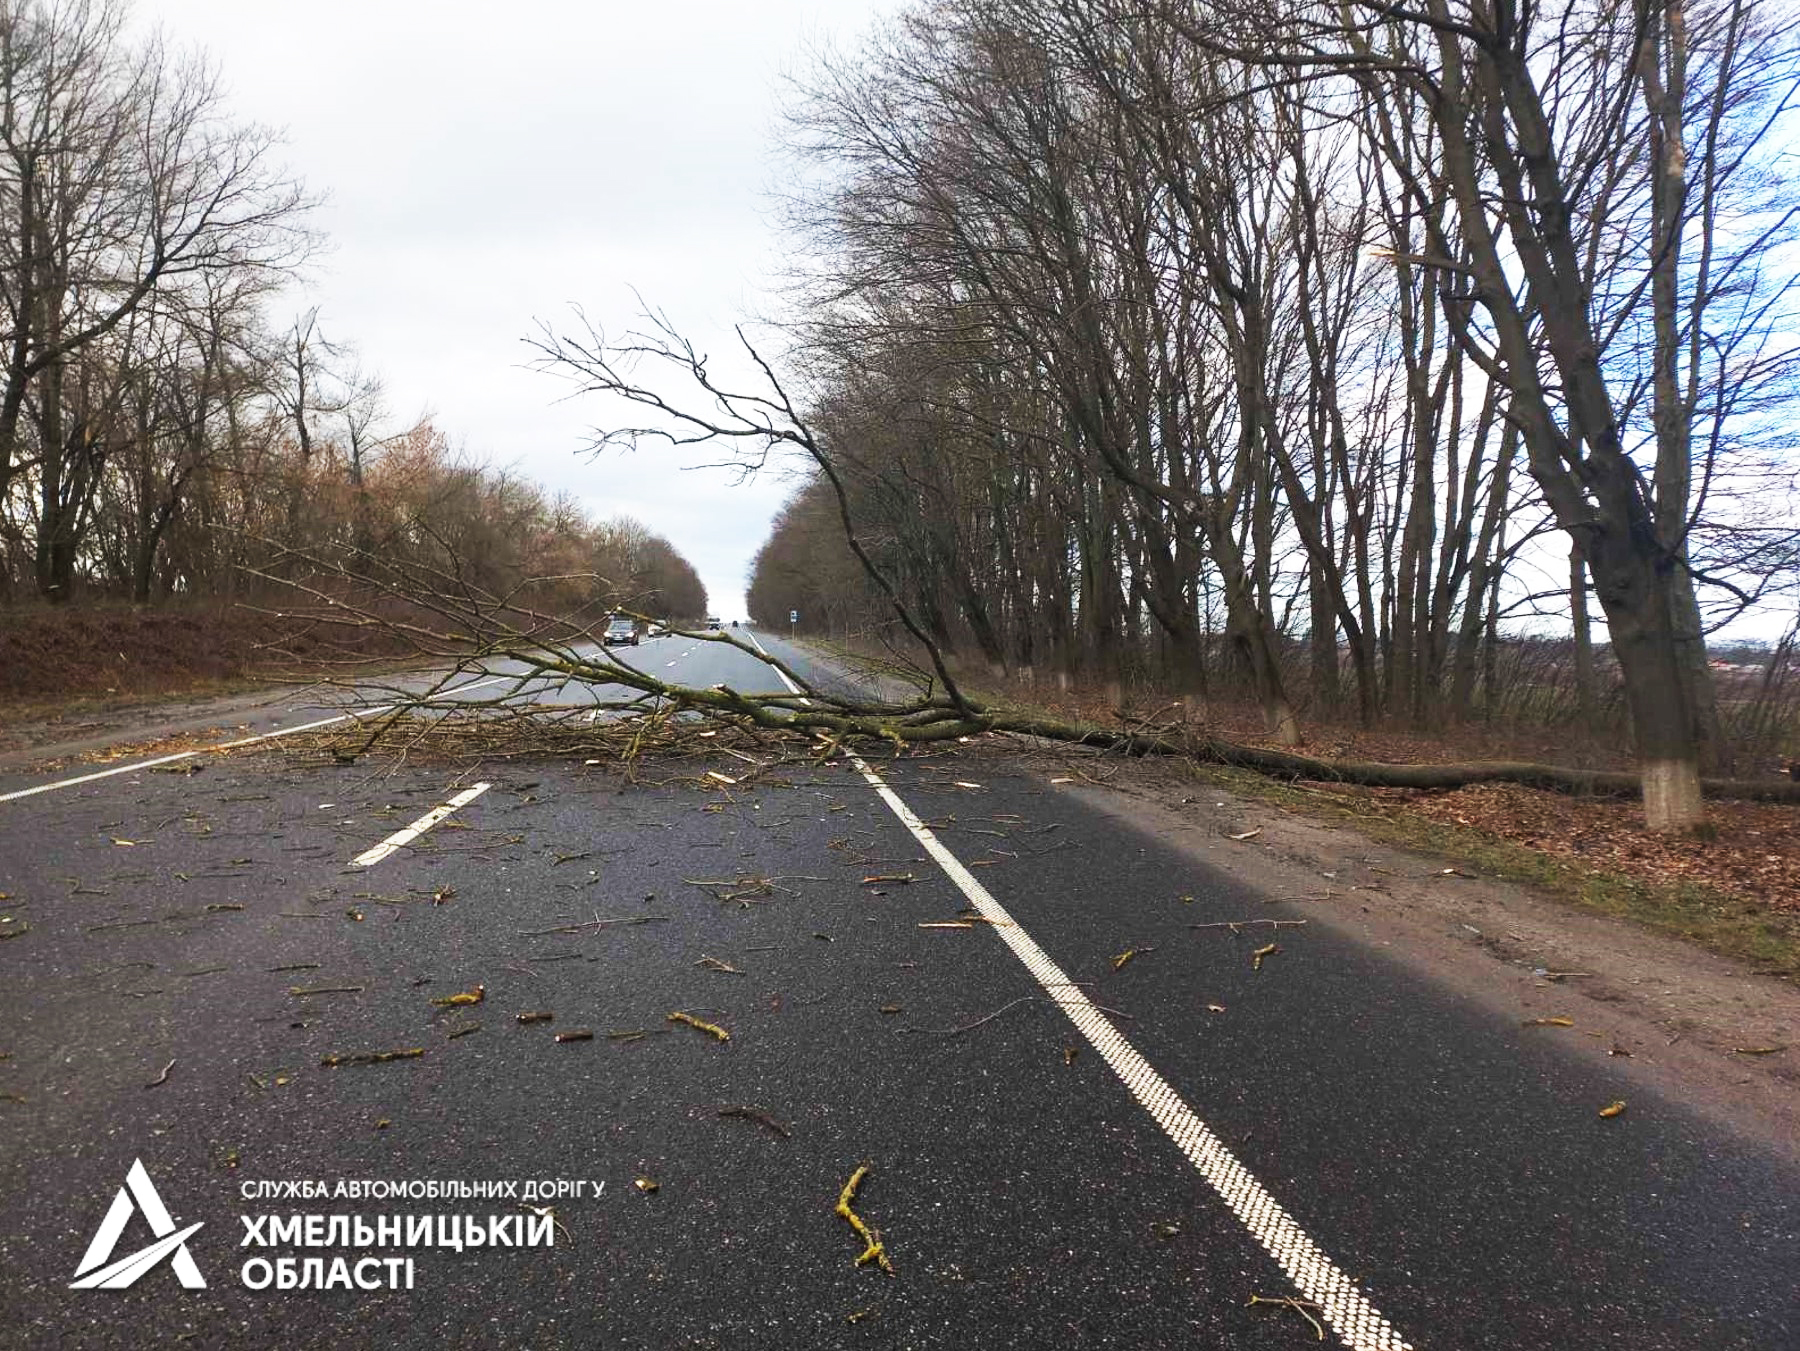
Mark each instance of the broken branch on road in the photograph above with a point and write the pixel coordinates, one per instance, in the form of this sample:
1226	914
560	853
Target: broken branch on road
460	631
875	1250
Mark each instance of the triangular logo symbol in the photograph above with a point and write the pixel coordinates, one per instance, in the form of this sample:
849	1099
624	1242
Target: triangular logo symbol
99	1272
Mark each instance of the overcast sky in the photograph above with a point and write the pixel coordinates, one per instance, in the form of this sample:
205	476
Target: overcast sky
486	165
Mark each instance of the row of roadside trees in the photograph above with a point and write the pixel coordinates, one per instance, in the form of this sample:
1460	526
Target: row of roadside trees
160	435
1187	330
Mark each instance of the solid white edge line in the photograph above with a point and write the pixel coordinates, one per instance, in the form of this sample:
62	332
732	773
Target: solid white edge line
401	838
1318	1279
276	735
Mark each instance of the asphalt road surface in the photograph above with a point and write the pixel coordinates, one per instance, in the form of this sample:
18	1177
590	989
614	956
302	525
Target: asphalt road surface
1086	1122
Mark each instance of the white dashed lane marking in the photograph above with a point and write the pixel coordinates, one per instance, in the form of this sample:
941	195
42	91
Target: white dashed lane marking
1356	1322
401	838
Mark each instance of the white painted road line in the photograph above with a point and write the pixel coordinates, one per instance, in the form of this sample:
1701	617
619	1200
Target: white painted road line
1315	1275
401	838
222	746
1357	1323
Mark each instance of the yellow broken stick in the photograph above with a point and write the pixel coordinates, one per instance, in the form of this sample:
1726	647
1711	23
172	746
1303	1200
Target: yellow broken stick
694	1022
1266	950
876	1251
463	1000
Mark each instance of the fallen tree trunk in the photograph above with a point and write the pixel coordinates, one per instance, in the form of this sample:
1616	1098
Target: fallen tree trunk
1374	774
473	629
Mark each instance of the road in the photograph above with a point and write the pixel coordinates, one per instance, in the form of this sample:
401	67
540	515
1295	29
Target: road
1067	1145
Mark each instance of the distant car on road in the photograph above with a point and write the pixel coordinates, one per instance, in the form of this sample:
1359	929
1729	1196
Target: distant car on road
734	623
620	631
714	622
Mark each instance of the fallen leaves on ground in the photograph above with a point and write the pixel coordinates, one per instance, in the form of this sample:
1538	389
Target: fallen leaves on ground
1754	854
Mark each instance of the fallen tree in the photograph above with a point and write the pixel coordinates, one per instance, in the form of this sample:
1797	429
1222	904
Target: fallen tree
463	635
460	631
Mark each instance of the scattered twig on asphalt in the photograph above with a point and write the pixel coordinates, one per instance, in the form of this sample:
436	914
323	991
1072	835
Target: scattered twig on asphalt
595	923
712	1029
1302	1307
577	1034
162	1078
743	890
875	1251
1236	924
759	1116
1266	950
325	989
714	964
331	1062
980	1022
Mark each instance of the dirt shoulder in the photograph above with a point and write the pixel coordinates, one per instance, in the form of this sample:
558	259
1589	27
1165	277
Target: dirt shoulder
1692	1026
